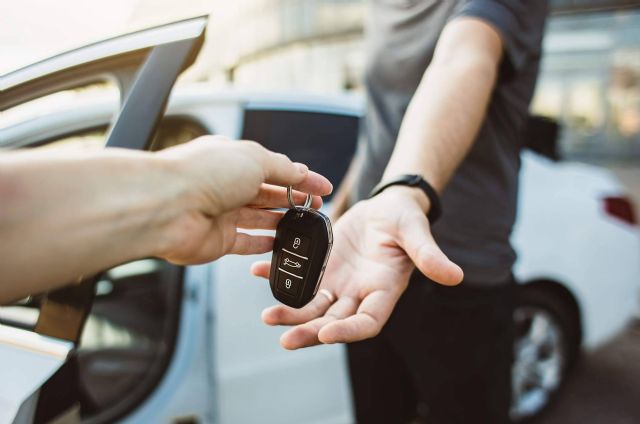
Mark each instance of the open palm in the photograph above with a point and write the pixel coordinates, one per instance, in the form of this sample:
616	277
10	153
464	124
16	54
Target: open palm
377	245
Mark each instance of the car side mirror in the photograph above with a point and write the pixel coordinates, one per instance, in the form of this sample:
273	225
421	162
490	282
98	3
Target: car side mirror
541	135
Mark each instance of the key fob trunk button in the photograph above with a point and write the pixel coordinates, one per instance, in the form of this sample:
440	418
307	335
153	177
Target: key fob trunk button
293	264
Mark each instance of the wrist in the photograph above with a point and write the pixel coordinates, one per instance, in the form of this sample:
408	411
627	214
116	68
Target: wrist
172	198
432	208
414	194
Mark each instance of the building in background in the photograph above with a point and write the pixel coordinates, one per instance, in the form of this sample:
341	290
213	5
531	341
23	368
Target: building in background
590	79
590	82
310	45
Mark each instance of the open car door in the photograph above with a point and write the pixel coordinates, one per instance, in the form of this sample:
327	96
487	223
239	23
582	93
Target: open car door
39	363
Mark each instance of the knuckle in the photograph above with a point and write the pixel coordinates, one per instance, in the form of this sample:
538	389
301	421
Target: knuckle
211	139
251	145
218	137
254	149
282	157
375	331
373	326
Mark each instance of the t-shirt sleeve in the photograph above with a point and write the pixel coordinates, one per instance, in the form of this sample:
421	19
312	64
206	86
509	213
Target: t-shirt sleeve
520	24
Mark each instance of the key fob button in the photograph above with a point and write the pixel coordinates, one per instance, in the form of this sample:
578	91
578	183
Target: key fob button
297	243
288	284
293	264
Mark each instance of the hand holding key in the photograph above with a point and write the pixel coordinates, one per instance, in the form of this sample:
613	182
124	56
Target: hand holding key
100	208
248	179
377	244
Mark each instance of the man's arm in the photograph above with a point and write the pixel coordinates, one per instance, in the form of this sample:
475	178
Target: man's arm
69	214
442	119
379	242
449	105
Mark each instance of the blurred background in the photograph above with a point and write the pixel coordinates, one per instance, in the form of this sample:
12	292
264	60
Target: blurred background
589	83
590	78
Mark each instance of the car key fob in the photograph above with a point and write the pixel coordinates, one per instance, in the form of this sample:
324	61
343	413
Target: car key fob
300	254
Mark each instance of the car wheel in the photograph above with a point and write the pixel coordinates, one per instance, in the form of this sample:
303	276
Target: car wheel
547	337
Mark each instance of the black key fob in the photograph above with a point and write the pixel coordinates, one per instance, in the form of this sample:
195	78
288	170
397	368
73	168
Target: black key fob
300	254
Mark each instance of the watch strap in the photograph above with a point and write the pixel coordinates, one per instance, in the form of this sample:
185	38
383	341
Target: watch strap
435	211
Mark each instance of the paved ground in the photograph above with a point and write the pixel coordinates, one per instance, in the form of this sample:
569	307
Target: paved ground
605	385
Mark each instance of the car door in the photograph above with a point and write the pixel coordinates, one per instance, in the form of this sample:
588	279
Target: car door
112	335
256	379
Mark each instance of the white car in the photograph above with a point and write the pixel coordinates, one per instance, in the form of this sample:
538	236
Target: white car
170	344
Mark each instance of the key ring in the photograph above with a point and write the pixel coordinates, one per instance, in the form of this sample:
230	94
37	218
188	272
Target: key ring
293	205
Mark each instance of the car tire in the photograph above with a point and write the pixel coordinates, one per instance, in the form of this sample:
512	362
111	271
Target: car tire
546	346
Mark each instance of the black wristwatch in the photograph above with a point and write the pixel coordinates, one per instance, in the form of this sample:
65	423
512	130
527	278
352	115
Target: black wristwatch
414	181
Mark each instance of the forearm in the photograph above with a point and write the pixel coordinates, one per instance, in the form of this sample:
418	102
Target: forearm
446	111
64	216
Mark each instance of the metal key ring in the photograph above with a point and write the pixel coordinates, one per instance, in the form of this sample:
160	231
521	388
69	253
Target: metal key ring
293	205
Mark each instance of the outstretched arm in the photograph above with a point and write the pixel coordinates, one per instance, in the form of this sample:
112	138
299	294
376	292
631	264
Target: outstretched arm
449	105
72	214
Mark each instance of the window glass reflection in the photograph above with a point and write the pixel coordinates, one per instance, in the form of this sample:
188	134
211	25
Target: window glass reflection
590	82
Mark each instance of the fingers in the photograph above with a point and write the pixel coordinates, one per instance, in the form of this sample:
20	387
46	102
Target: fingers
271	196
246	244
279	170
417	241
261	269
316	184
372	314
306	335
258	219
284	315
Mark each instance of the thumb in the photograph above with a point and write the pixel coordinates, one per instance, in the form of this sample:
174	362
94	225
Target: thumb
419	244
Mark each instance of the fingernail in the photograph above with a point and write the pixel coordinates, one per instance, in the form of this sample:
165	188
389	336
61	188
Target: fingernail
302	168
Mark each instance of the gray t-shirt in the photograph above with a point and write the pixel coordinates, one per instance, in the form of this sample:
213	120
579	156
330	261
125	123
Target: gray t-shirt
479	203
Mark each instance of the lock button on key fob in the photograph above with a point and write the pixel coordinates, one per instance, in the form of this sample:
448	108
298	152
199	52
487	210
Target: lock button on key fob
300	254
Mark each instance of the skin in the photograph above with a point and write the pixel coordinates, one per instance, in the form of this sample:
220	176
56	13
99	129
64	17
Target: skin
77	213
379	242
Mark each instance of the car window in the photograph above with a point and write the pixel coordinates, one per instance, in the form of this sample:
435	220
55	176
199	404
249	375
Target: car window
128	339
326	142
90	139
99	92
171	132
175	131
